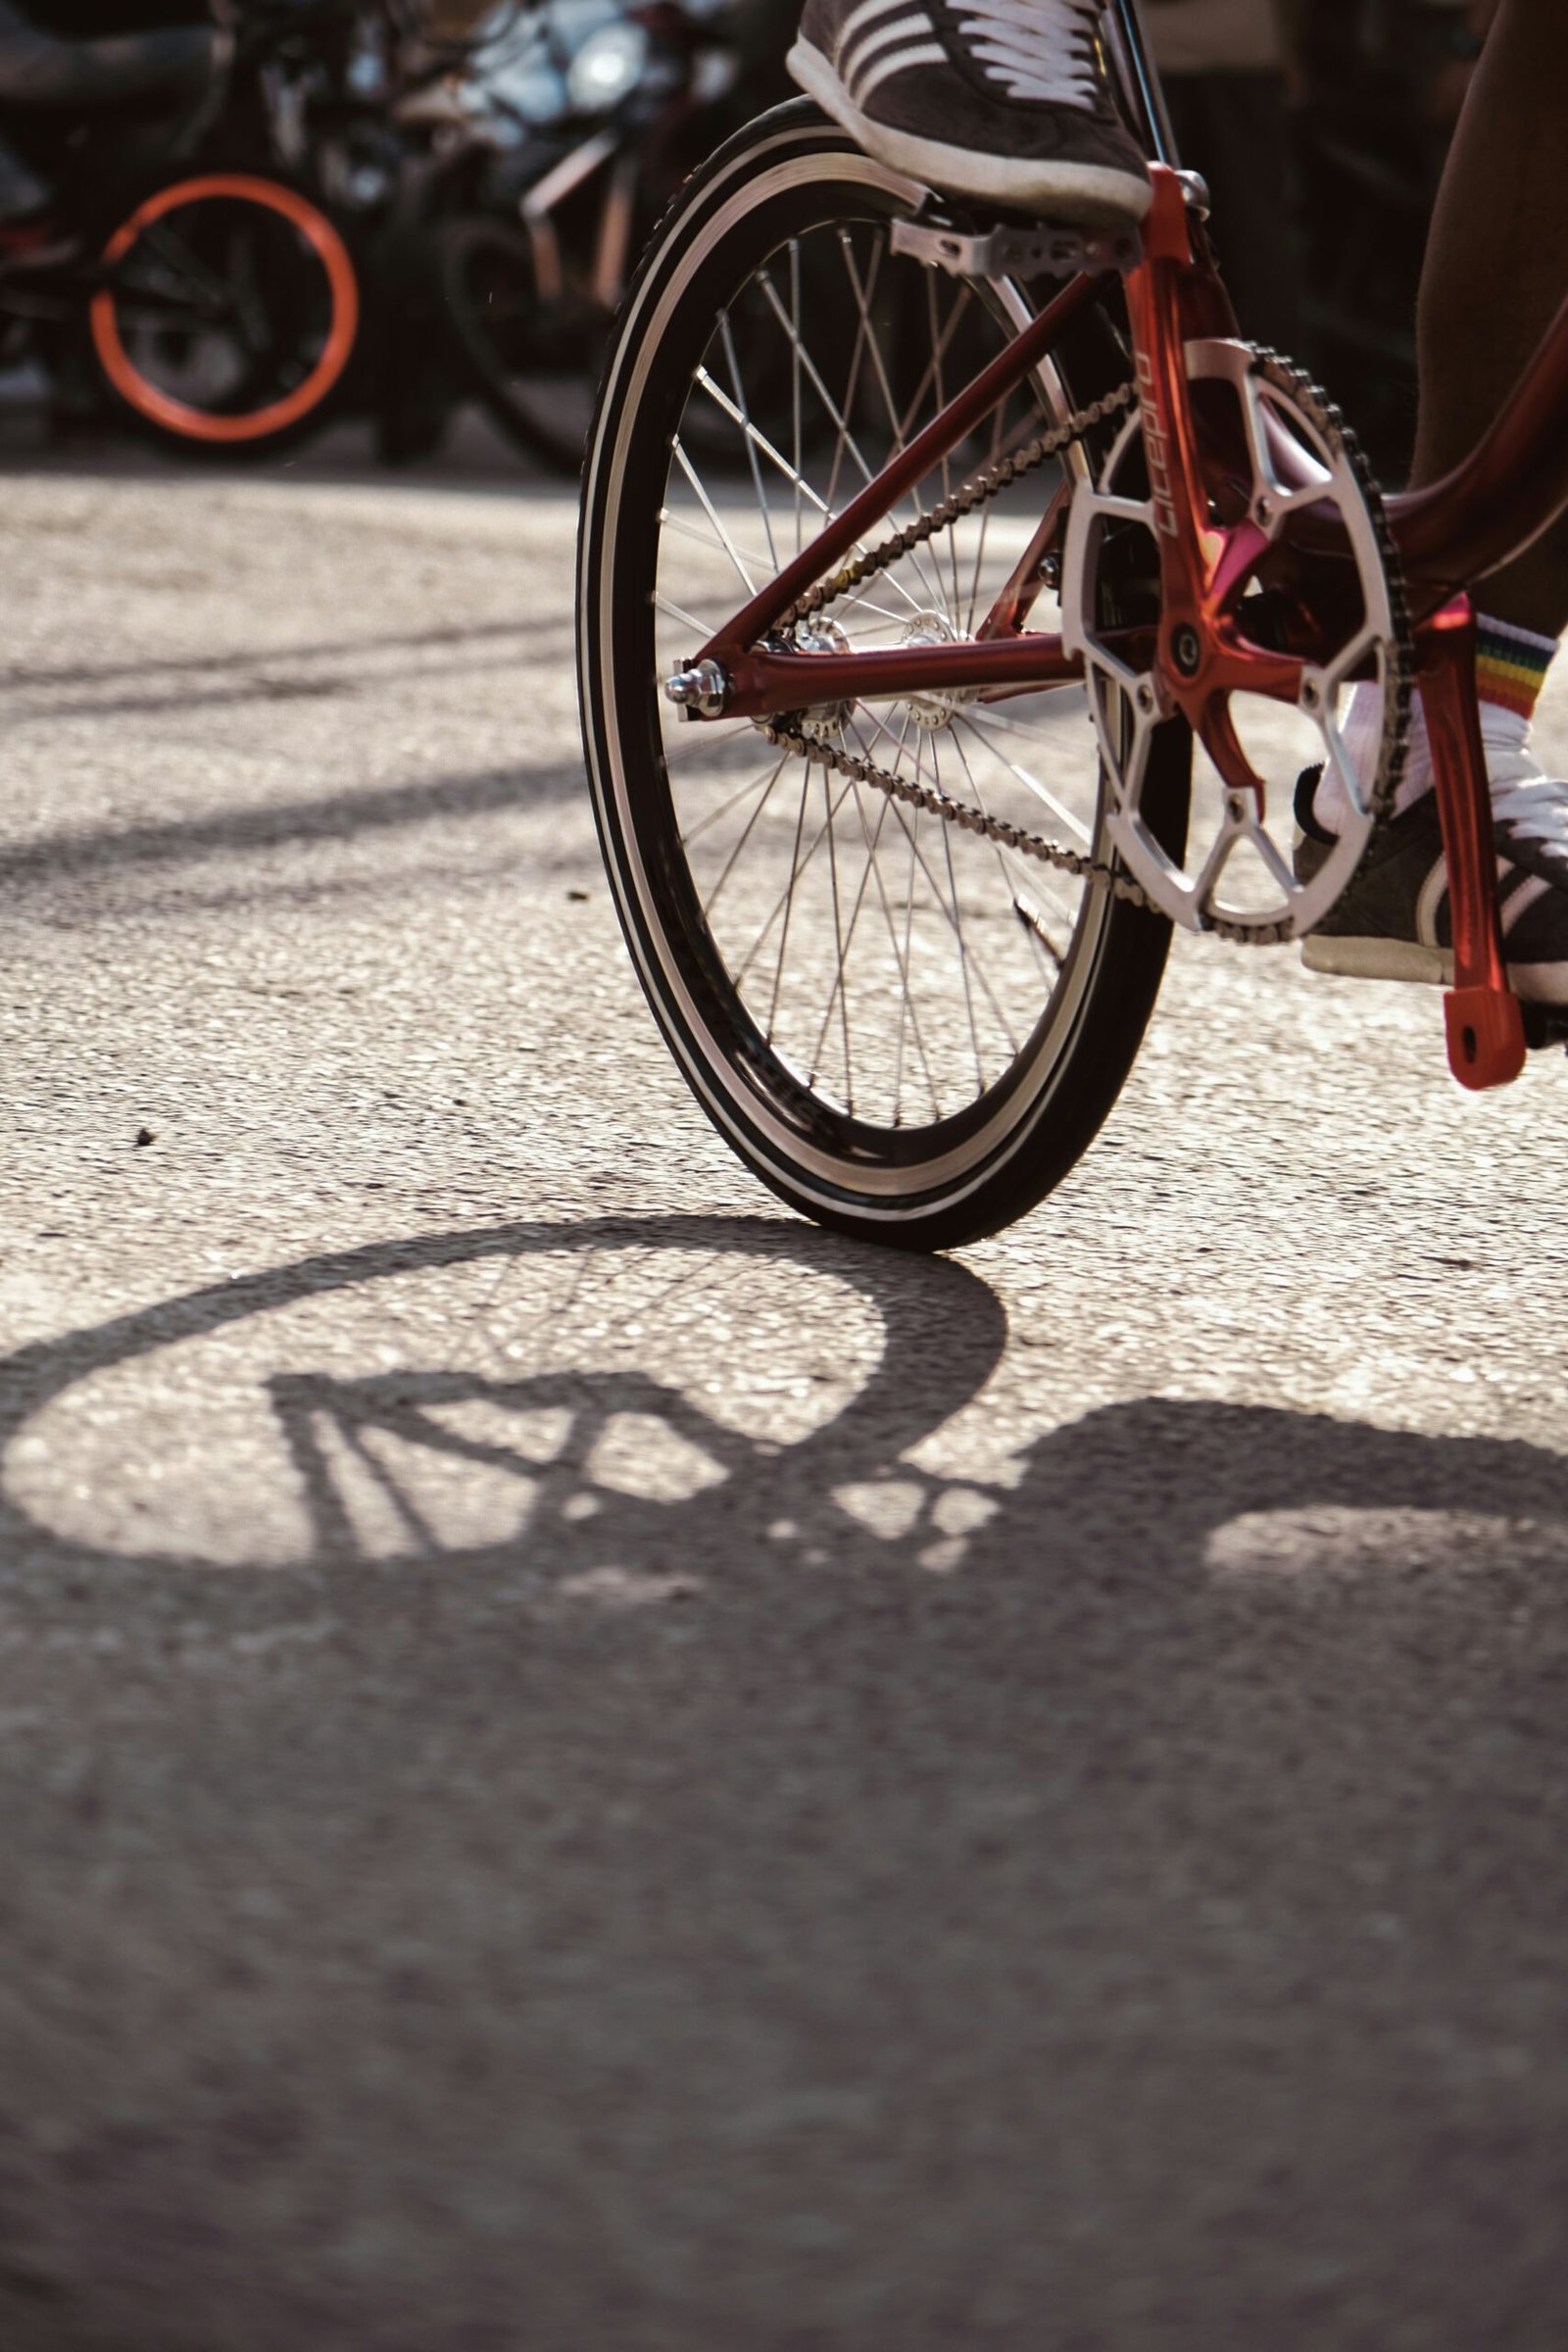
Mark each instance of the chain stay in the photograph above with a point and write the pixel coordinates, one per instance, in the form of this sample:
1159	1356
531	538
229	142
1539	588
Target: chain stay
985	486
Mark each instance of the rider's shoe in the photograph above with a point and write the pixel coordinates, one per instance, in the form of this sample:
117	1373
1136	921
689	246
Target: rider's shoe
1003	101
1393	921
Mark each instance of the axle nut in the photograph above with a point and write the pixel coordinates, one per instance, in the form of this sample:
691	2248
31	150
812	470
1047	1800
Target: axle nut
1186	651
701	693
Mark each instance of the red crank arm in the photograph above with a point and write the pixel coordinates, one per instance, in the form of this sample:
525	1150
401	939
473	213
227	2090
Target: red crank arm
1485	1027
1201	657
1239	667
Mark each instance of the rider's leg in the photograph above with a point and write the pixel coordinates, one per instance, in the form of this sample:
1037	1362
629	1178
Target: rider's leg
1497	271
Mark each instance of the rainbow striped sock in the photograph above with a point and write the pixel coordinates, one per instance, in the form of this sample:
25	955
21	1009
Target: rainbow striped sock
1511	664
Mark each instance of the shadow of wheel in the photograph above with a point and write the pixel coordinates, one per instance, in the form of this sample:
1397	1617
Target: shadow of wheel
605	1395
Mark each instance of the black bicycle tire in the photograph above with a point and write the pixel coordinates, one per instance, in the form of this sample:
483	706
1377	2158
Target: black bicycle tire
1117	971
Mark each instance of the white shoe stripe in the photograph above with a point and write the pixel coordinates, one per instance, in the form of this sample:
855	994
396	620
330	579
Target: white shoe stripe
1519	902
1434	890
1517	893
930	53
905	29
866	14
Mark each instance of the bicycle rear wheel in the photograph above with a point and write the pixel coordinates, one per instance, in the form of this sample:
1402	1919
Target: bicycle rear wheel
229	314
904	1029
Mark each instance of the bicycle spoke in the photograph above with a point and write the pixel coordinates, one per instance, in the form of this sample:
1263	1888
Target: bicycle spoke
894	970
688	530
667	605
775	457
710	510
795	377
716	815
711	901
991	456
787	902
946	455
1009	865
1031	783
909	1020
842	946
866	471
968	963
726	336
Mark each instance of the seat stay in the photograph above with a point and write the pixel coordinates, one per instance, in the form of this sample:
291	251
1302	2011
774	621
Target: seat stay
908	466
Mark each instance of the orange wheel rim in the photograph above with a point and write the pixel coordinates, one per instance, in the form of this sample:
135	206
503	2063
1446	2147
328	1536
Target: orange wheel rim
178	415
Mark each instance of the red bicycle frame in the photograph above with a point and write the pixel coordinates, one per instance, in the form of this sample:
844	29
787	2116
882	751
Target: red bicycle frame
1449	536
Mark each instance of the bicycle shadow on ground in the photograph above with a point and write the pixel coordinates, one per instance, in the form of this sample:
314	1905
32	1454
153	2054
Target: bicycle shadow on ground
1152	1481
613	1299
541	1784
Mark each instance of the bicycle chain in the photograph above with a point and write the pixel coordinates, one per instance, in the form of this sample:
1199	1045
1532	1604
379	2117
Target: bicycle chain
978	491
1399	664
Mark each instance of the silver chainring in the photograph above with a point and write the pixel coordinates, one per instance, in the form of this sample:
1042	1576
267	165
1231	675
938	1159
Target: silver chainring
1237	876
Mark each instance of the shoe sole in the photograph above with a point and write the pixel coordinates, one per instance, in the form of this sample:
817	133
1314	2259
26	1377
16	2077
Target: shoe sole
1407	959
1089	195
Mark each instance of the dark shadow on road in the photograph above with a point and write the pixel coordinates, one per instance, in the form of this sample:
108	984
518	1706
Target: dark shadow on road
543	637
246	658
1120	1908
276	824
474	462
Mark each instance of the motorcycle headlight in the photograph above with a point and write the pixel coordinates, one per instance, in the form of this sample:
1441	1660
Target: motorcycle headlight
606	68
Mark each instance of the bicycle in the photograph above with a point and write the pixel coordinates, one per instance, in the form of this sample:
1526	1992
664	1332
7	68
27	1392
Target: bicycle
204	289
900	914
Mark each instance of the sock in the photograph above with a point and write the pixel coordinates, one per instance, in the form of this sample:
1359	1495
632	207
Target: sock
1511	666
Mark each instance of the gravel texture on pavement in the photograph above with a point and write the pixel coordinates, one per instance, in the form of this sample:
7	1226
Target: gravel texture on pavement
585	1765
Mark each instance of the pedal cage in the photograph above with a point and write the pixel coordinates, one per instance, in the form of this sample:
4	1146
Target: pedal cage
1016	252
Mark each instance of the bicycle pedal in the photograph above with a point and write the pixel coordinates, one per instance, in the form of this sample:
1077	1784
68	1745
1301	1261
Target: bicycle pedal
1021	253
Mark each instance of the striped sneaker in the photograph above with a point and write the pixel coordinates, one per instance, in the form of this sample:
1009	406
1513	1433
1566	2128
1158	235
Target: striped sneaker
1394	923
1002	101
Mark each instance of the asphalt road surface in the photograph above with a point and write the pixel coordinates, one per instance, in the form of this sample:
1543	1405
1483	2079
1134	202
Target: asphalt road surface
588	1767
